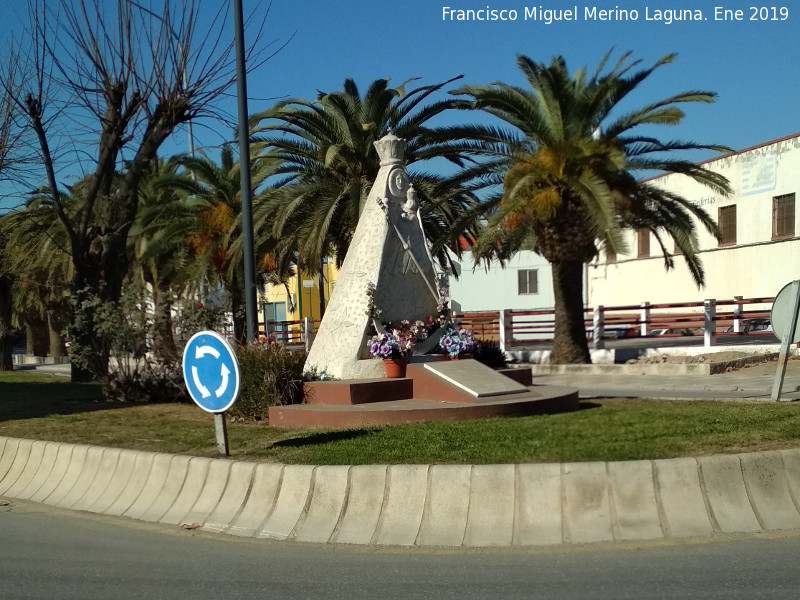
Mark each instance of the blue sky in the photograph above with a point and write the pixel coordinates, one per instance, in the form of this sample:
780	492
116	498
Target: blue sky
750	64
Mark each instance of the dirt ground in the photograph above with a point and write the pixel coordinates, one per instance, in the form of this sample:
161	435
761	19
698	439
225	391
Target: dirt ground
727	356
710	357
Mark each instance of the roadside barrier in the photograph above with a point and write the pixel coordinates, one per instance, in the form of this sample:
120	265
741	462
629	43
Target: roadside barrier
416	505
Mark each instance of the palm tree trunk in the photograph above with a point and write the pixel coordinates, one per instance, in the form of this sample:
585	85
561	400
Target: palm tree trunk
164	343
321	288
36	335
6	330
238	310
55	325
569	340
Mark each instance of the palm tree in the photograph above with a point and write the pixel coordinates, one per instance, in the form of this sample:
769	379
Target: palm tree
37	255
210	220
328	164
568	167
160	255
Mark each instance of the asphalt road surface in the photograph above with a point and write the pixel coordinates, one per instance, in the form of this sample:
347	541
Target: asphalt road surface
56	554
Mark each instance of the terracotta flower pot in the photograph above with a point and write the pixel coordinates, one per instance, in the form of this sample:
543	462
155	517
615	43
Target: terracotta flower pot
395	367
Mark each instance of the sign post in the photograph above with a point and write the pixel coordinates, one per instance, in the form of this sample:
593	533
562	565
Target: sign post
211	373
785	323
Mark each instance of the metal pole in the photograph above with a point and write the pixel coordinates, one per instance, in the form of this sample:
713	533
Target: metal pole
598	327
710	323
244	169
221	433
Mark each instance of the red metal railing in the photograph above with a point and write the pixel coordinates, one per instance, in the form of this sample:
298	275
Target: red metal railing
513	328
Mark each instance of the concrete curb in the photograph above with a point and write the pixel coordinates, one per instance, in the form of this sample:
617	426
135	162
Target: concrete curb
416	505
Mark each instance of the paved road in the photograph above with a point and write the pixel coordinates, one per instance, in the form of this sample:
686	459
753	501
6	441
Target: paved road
48	553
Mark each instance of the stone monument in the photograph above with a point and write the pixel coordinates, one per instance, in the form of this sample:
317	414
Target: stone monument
388	251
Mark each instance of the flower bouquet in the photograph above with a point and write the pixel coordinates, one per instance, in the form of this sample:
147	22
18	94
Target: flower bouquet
386	345
458	342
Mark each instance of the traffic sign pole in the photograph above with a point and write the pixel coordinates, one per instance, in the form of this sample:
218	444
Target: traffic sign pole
221	431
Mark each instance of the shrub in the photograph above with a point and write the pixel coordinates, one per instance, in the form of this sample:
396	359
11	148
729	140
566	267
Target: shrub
195	316
147	381
490	354
271	375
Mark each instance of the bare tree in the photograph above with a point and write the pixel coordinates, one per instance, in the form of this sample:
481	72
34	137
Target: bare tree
106	84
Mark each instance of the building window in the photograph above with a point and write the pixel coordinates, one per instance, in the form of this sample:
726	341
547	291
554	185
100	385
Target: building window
783	216
727	225
643	243
528	281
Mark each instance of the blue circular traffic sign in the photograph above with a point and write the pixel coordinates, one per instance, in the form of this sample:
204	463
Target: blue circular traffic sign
211	371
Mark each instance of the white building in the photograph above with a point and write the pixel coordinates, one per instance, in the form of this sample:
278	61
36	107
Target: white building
758	254
525	283
759	251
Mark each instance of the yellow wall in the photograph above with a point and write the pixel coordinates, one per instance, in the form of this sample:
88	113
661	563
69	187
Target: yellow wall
305	299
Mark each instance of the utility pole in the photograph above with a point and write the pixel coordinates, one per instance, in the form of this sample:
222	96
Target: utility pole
244	166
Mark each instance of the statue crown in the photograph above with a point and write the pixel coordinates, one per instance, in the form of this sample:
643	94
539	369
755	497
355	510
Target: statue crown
390	149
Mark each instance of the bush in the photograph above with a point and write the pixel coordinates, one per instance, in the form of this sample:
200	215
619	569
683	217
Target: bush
147	381
490	354
271	375
195	316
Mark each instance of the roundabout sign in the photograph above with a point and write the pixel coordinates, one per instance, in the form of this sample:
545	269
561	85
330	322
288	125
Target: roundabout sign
211	371
785	322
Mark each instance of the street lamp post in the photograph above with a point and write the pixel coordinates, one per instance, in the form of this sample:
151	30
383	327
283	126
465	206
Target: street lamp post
244	166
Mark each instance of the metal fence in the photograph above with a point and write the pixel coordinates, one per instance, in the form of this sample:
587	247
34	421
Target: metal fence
711	319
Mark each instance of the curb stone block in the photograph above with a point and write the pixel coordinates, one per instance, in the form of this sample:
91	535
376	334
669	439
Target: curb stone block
42	474
56	475
291	502
140	473
365	498
539	516
682	498
445	519
327	501
791	465
192	484
258	506
587	508
233	497
727	495
105	472
88	471
151	488
77	464
28	472
17	466
635	509
7	449
404	505
769	491
491	506
177	471
216	481
123	469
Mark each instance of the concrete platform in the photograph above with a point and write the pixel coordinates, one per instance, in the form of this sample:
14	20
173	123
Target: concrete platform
432	391
546	399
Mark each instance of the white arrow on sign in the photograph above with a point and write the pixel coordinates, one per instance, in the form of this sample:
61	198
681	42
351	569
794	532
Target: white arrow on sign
224	371
201	351
203	389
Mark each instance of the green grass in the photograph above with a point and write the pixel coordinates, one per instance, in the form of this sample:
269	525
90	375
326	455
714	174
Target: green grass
42	407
